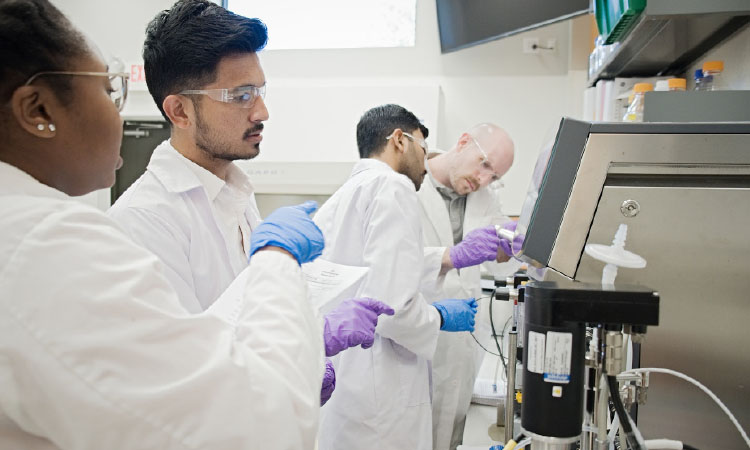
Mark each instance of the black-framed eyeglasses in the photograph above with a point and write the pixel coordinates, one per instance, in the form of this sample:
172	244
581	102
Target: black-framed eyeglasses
118	81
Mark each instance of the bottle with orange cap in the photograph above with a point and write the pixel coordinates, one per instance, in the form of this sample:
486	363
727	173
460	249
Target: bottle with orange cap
712	78
677	84
635	110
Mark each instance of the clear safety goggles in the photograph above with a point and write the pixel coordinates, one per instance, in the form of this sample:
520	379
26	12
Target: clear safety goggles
420	142
118	80
242	96
484	164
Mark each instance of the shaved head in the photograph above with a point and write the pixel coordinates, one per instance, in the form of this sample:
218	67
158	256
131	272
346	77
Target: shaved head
498	145
482	155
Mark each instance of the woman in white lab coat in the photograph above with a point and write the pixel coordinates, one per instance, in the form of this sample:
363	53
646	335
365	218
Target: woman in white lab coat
96	351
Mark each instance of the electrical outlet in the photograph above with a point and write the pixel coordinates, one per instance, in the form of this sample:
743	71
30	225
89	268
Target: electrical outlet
531	45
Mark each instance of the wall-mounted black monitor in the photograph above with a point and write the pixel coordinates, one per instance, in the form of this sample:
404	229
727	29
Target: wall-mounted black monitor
464	23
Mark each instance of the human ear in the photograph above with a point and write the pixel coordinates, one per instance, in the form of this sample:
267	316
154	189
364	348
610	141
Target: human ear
462	142
179	110
33	108
398	140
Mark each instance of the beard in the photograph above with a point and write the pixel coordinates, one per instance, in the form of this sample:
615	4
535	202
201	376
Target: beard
216	146
412	166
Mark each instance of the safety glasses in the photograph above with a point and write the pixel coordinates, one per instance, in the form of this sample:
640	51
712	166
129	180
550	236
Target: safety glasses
242	97
485	165
118	80
420	142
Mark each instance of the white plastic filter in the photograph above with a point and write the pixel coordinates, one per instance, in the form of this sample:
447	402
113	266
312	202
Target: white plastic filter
615	256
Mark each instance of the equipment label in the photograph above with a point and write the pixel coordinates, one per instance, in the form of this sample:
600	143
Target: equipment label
557	357
535	356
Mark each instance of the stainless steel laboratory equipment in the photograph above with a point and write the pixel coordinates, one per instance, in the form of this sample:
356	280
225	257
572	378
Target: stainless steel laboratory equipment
684	192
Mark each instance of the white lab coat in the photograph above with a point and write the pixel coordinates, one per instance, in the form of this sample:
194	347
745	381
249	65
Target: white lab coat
168	211
382	396
96	351
458	357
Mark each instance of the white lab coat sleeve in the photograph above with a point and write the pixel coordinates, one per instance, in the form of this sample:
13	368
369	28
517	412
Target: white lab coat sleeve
168	243
98	353
394	253
432	281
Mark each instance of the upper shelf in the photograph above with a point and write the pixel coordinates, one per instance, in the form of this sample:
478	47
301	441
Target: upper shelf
670	35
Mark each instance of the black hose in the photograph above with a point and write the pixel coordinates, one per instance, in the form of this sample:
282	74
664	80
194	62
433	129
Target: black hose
620	409
494	336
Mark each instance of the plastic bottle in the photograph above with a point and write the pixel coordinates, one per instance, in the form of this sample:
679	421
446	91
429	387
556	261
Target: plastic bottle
661	85
635	110
712	78
677	84
698	77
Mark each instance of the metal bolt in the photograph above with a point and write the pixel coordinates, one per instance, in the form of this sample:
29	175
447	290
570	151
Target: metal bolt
630	208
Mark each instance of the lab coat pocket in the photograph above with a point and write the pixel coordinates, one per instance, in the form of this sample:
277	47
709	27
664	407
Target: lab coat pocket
406	375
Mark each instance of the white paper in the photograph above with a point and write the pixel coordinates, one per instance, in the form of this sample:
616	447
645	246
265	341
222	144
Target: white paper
328	282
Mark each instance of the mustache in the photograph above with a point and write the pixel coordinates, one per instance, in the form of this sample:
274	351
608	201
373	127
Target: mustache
253	130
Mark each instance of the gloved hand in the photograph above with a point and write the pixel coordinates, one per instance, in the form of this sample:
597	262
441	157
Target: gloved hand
292	229
478	246
352	323
329	383
508	247
458	315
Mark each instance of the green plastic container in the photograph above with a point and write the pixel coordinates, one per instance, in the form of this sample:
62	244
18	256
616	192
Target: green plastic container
615	18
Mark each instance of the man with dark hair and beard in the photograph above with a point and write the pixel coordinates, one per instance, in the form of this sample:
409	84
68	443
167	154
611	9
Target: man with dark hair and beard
194	208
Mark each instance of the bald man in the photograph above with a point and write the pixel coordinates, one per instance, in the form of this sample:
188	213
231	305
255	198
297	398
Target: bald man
459	203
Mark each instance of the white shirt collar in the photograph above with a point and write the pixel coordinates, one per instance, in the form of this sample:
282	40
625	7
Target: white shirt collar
179	174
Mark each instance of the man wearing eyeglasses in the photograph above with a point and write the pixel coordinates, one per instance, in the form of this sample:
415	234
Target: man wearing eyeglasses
382	396
460	203
194	208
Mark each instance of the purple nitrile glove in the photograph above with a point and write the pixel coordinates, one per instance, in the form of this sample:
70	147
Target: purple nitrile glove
352	323
329	383
478	246
509	248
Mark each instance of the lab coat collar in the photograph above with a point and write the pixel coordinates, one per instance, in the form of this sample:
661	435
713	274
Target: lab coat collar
370	164
16	181
179	174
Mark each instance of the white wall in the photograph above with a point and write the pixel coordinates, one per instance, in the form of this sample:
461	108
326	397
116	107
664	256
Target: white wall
493	82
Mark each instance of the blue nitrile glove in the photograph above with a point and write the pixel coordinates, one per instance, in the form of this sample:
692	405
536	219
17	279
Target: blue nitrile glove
509	248
292	229
458	315
352	323
478	246
329	383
